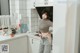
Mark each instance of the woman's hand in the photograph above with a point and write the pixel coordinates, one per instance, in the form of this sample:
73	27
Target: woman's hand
40	34
48	35
49	38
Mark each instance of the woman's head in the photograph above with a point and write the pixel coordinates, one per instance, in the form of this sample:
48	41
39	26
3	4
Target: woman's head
45	15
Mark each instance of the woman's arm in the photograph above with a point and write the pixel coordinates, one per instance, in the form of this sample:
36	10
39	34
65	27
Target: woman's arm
51	29
51	26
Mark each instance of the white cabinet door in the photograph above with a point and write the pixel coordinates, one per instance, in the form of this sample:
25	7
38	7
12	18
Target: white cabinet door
17	45
34	45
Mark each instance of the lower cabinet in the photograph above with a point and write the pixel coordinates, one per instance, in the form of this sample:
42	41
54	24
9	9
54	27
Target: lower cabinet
34	45
17	45
23	44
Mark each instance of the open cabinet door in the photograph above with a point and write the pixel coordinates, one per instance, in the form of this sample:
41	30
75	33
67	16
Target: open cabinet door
48	8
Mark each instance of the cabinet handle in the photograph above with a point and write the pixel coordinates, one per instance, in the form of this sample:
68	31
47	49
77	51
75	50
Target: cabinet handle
32	41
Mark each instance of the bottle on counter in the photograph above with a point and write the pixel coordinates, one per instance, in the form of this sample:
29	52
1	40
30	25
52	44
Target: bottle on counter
13	32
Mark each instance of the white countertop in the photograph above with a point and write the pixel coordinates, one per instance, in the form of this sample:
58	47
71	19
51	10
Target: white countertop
8	37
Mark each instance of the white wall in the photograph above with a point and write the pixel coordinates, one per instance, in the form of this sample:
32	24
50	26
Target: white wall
59	26
72	28
78	15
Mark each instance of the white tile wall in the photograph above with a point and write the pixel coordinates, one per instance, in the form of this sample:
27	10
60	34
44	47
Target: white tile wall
18	6
34	20
24	9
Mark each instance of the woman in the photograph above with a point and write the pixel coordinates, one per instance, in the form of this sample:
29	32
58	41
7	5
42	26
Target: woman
45	34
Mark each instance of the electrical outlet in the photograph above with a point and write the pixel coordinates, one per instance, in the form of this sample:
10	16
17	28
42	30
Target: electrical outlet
4	48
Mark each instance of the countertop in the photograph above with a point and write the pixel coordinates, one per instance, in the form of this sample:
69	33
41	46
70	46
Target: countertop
8	37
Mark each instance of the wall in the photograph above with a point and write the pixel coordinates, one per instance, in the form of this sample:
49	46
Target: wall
78	15
29	7
34	20
23	8
59	27
12	6
18	10
72	28
19	7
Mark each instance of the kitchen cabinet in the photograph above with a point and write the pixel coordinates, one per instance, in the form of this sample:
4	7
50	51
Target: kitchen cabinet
34	43
21	43
16	44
